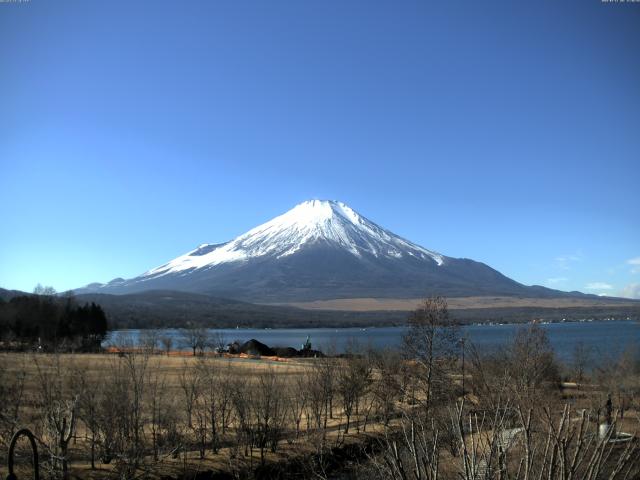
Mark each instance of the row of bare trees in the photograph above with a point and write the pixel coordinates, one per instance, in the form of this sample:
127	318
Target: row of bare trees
512	420
196	339
134	410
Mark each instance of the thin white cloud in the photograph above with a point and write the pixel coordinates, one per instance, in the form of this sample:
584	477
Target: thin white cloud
631	291
635	264
563	262
556	280
598	286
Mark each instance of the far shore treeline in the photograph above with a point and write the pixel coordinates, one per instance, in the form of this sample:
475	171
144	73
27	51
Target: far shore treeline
48	322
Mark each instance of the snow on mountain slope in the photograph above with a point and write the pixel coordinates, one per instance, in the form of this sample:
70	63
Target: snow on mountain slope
316	251
331	222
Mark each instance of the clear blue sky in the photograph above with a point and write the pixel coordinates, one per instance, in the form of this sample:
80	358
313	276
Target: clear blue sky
507	132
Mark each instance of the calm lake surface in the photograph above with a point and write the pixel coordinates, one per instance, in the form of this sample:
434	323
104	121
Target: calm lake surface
606	338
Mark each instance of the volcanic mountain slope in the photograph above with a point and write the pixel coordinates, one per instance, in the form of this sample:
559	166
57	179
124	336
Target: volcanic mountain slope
322	250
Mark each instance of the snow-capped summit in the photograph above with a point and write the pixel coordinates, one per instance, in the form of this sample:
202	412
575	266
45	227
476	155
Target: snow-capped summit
318	250
330	222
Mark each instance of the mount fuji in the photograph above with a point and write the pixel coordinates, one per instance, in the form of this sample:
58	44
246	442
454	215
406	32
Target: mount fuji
321	250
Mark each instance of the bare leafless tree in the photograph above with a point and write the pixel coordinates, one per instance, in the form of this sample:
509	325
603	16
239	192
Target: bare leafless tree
521	372
353	381
58	405
270	409
216	341
387	388
581	359
242	397
321	380
166	341
296	392
149	340
224	385
88	389
209	397
431	343
562	446
157	408
533	366
136	369
121	411
195	338
190	384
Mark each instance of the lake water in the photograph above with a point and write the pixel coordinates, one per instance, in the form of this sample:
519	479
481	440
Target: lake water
606	338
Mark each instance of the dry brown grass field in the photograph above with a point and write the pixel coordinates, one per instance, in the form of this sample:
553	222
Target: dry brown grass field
459	303
175	372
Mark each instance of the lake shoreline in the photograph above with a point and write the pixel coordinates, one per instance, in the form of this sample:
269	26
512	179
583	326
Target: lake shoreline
607	336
